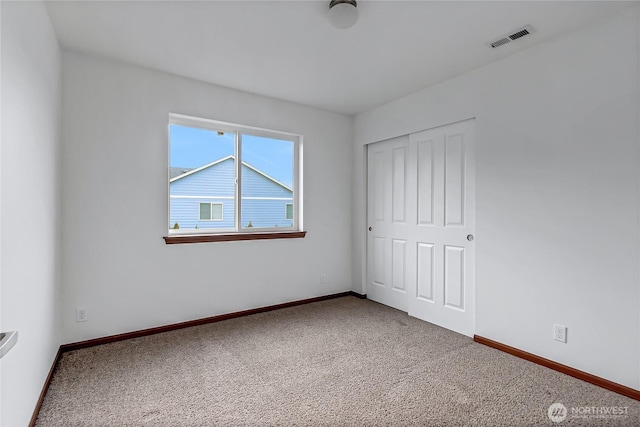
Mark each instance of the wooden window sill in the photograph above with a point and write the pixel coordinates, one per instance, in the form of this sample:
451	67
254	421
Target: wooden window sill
202	238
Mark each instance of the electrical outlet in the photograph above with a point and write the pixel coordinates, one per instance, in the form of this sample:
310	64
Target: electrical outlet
560	333
322	278
81	314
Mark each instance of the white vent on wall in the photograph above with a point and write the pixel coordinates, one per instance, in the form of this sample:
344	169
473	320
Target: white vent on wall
514	35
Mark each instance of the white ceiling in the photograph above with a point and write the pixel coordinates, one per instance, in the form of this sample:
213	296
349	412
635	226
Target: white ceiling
288	49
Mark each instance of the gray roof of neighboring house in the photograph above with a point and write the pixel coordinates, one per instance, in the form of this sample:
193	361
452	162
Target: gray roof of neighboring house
173	172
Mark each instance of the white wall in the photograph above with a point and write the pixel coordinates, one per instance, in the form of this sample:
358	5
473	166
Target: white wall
30	260
557	193
115	161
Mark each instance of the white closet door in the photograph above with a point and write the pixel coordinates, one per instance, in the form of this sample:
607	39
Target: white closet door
387	241
421	249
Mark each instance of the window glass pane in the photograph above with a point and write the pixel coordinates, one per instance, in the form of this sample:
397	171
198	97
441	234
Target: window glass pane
201	172
267	181
289	213
216	211
205	211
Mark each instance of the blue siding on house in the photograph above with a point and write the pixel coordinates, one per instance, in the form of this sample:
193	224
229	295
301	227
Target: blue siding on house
220	177
186	212
263	203
265	213
257	185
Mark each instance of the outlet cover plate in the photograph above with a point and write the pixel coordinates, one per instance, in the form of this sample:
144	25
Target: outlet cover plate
560	333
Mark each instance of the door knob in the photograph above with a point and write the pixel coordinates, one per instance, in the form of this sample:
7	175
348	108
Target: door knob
370	228
470	237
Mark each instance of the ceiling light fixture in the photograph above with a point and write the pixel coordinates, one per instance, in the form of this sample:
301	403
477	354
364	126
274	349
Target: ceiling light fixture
343	14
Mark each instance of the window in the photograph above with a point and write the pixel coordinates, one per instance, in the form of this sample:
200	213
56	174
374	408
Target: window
232	179
211	211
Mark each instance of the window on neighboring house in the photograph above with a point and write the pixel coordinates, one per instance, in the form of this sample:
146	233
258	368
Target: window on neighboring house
211	212
288	211
226	178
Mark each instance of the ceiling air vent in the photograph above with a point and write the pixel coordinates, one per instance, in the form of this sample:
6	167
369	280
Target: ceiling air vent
514	35
500	42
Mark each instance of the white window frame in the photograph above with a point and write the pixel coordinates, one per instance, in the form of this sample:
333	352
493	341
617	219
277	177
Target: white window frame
239	130
211	211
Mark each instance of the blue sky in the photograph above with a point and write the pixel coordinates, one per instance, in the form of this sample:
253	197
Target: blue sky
194	147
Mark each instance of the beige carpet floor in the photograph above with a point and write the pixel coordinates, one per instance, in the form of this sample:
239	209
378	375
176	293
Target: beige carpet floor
342	362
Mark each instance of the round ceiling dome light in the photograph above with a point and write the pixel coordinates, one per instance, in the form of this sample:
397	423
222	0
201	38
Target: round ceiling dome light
343	14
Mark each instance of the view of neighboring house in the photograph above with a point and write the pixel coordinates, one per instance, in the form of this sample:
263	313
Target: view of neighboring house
203	198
